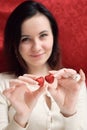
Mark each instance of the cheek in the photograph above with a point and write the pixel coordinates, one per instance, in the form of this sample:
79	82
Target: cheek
22	50
49	45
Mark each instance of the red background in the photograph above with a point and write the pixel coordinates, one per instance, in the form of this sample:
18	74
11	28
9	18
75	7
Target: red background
71	16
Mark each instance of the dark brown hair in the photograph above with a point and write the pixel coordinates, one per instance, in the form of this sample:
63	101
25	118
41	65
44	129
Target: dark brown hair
12	35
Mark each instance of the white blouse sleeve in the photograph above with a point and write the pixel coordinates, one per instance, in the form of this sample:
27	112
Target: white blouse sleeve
4	108
79	120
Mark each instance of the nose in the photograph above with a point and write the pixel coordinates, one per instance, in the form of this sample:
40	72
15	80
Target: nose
36	45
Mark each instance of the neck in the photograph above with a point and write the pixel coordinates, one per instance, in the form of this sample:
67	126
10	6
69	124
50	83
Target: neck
39	71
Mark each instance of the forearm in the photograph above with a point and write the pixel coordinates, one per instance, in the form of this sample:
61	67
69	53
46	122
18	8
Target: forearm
14	126
79	120
22	119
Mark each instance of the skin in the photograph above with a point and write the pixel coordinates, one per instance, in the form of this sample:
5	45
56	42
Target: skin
36	42
36	50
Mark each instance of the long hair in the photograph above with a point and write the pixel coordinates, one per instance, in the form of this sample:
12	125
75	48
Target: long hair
12	35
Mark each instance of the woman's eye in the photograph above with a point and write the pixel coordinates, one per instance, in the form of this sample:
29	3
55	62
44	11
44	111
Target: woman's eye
24	39
44	35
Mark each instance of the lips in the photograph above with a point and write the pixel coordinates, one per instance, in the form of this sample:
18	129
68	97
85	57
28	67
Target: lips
37	55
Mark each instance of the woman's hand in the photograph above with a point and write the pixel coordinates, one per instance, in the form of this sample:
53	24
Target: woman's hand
67	90
22	98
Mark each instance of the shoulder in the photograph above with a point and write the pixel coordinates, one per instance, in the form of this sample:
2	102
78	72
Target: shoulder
4	80
5	75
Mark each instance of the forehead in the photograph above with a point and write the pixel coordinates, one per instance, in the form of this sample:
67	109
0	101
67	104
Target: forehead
38	21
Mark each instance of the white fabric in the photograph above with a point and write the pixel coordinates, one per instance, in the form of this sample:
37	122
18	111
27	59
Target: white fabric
42	118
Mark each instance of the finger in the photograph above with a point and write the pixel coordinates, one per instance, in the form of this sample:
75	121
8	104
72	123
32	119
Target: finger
28	80
53	71
57	71
76	77
17	82
8	92
64	69
56	94
53	92
40	90
20	83
29	76
63	73
82	75
68	83
72	71
69	73
32	87
58	74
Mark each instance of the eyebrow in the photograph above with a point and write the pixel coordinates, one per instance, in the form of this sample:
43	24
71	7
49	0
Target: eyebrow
29	35
25	36
43	31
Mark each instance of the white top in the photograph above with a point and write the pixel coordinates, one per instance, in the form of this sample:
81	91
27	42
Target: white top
42	118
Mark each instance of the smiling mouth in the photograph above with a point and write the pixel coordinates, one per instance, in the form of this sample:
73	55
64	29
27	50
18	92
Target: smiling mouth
37	55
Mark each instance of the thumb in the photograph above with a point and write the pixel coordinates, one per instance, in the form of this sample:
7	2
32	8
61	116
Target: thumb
52	90
82	79
40	91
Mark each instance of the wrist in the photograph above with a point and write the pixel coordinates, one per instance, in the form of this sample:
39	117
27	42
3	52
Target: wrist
68	115
22	121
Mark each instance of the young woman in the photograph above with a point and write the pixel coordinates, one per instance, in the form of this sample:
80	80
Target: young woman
36	94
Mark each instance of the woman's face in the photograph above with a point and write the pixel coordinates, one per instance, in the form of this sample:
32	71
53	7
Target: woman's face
36	41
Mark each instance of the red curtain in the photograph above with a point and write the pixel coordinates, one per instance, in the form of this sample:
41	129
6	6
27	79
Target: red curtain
71	16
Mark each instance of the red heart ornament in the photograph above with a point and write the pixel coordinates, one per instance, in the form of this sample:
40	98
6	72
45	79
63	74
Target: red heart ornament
49	78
